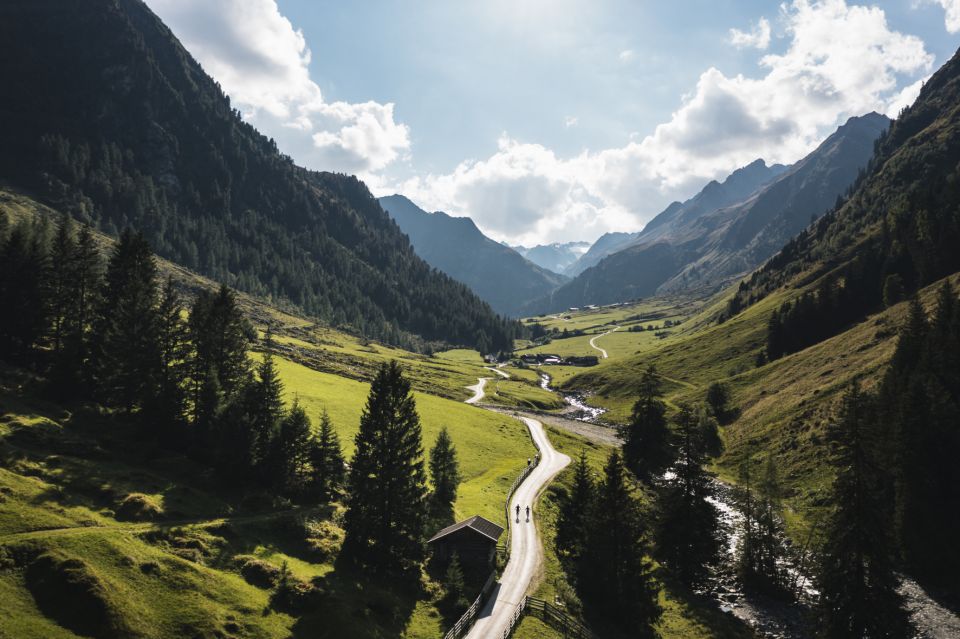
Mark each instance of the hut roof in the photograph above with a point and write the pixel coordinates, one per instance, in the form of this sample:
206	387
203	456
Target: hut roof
476	523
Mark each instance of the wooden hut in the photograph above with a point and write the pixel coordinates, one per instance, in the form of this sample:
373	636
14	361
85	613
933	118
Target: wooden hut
474	540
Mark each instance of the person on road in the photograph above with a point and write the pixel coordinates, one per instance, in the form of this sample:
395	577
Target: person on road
528	513
518	512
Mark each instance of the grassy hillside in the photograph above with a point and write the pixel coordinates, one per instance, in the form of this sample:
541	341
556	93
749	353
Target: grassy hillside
784	405
161	548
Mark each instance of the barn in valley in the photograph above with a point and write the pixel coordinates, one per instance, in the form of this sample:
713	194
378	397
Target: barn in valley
474	540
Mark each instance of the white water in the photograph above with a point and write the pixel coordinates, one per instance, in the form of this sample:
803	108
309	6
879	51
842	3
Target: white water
581	410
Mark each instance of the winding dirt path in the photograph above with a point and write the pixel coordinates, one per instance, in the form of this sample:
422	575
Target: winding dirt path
593	343
478	392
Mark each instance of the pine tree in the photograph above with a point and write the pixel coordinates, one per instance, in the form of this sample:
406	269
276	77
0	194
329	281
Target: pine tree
857	581
126	357
294	448
266	410
445	473
384	522
23	267
326	460
220	337
86	283
646	439
574	518
718	399
454	586
615	579
62	252
169	409
689	537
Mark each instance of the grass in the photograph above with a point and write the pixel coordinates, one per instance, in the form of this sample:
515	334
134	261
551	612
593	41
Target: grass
492	448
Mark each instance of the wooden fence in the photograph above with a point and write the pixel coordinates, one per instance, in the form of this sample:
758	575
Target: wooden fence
551	615
466	620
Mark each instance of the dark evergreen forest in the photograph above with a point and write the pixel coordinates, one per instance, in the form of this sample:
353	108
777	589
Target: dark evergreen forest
105	115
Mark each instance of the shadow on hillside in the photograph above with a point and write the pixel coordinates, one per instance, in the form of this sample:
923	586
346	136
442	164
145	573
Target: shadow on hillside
358	604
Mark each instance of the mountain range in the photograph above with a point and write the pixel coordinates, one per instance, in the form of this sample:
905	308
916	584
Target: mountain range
497	273
725	230
558	257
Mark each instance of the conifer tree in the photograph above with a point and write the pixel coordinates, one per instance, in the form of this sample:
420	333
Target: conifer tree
857	581
574	518
266	410
384	522
23	267
126	357
220	336
453	584
445	473
646	438
326	460
169	409
294	449
689	537
615	580
718	399
62	252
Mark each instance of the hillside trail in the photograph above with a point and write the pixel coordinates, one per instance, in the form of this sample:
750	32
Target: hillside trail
478	390
593	343
526	550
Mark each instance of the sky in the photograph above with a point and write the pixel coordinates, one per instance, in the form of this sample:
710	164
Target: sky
558	120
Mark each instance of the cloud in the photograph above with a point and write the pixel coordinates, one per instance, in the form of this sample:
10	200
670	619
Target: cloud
626	55
841	61
262	63
757	38
951	18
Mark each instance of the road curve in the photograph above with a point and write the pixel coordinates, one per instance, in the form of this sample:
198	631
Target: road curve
526	552
477	389
594	345
498	372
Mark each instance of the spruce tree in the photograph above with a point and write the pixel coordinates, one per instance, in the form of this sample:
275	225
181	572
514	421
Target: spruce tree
615	579
62	255
574	518
294	448
857	581
169	409
85	286
23	268
689	536
220	336
445	473
718	399
326	460
646	438
384	523
266	410
126	357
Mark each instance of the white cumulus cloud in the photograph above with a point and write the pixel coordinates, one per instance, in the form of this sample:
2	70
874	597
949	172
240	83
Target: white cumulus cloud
757	38
262	63
842	61
951	17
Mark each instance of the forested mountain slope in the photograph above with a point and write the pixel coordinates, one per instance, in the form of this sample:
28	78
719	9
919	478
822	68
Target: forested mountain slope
727	228
497	273
107	116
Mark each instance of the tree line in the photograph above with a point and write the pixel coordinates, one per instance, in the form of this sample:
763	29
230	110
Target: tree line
114	334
